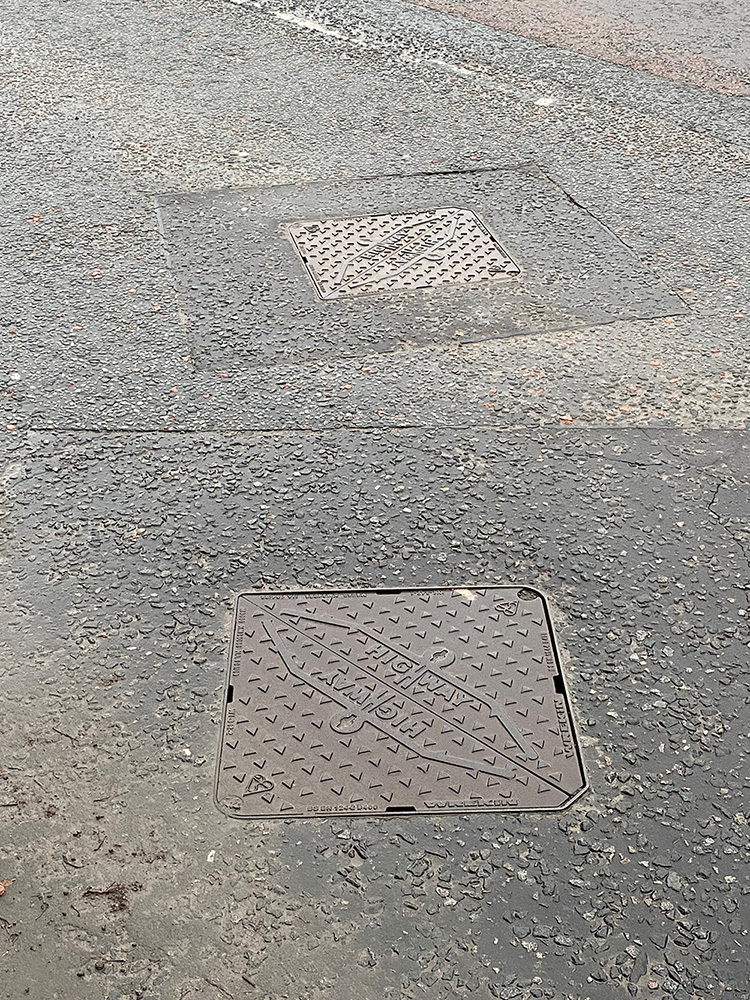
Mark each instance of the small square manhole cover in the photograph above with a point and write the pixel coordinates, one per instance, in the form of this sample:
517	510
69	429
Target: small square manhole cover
394	702
388	253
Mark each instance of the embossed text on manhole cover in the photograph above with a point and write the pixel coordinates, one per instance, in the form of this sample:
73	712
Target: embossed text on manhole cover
393	702
382	253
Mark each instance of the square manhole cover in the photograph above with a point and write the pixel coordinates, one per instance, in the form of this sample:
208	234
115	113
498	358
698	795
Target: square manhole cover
388	702
386	253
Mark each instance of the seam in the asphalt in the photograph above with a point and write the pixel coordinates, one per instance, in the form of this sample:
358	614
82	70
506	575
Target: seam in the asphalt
332	429
521	165
205	361
362	428
725	524
584	208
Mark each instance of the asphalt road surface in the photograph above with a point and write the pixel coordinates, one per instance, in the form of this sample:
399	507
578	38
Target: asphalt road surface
184	421
705	43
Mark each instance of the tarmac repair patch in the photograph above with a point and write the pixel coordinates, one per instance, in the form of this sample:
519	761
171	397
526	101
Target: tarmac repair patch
338	268
391	702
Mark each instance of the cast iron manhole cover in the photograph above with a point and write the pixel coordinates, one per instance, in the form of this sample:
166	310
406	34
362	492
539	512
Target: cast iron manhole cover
386	253
387	702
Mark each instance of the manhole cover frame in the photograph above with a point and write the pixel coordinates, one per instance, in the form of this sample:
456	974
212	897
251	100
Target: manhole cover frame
437	241
257	784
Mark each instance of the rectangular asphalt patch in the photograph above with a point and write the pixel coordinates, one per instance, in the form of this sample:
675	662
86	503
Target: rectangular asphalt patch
394	702
340	267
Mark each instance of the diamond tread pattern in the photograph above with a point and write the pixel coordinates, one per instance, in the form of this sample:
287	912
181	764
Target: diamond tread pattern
388	253
391	702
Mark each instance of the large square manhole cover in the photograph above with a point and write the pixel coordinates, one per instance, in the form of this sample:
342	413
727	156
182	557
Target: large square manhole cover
394	702
385	253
